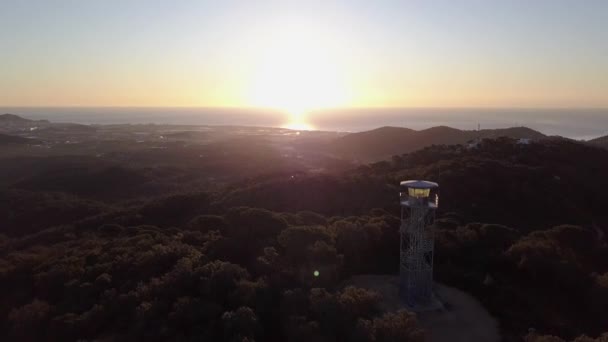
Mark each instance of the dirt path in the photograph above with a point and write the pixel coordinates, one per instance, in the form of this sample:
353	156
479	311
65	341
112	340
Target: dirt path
462	319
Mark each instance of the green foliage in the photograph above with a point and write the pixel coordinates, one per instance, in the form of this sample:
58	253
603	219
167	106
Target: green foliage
205	223
253	223
297	240
240	324
534	337
218	265
400	326
523	279
147	282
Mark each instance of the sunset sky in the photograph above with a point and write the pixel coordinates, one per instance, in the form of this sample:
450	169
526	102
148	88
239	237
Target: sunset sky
299	56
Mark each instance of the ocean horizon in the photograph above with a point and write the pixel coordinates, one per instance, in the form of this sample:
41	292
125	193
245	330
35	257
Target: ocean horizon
580	124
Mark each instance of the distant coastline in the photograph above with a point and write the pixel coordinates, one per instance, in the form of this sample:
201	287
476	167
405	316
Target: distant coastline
576	123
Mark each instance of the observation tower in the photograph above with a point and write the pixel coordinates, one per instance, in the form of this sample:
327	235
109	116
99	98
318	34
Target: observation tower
419	200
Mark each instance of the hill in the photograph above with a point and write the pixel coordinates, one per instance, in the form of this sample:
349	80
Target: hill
520	227
384	142
10	123
12	119
601	141
15	123
242	237
526	186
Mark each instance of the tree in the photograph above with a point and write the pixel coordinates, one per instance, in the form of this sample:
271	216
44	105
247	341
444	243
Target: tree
398	327
239	324
253	223
219	278
296	240
29	321
205	223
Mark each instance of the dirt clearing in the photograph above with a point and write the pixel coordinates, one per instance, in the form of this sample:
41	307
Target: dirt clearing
462	318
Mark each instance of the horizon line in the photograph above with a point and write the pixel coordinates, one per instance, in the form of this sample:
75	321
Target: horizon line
310	111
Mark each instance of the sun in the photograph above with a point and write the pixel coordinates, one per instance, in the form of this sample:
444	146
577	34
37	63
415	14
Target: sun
298	72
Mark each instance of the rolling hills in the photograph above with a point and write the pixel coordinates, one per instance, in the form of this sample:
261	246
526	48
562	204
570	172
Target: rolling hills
384	142
601	141
164	233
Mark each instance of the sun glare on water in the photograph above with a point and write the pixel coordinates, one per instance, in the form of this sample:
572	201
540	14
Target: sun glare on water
299	126
298	72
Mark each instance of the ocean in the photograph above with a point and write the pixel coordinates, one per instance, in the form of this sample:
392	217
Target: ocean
572	123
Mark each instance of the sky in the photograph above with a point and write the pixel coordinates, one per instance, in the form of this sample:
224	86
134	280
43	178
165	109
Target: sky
299	56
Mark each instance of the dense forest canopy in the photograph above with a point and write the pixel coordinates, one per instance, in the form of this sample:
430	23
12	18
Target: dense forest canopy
241	237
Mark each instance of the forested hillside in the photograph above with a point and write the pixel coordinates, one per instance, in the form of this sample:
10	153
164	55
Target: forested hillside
382	143
601	141
98	249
